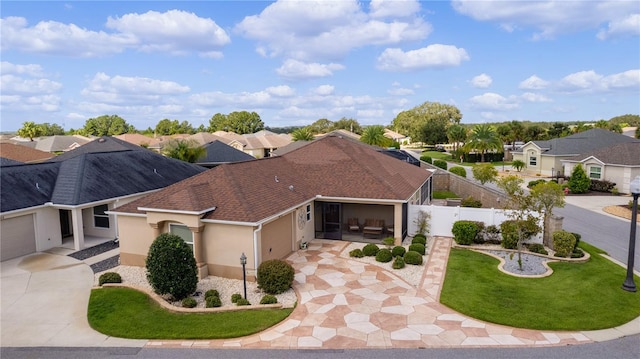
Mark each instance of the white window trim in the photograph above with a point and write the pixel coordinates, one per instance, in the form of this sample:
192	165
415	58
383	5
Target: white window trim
599	173
190	243
103	215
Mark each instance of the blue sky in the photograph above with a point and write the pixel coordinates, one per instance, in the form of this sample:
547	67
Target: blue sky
295	62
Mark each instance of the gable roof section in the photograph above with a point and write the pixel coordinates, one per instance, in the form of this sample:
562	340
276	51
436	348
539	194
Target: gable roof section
102	144
623	154
218	152
581	142
60	143
255	190
22	153
9	162
24	186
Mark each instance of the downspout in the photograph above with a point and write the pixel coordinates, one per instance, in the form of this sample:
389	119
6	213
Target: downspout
255	249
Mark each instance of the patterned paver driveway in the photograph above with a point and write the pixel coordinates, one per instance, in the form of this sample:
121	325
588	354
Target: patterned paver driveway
344	303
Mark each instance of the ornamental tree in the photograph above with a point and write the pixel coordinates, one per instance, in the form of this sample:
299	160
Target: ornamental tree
171	267
579	182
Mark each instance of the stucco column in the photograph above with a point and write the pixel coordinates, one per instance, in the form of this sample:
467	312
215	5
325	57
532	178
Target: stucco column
203	270
78	229
397	224
156	229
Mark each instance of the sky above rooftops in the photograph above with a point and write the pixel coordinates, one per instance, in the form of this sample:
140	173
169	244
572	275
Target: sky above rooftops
294	62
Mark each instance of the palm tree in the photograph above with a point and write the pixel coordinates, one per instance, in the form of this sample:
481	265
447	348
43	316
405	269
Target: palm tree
188	151
374	135
456	134
302	134
29	130
484	138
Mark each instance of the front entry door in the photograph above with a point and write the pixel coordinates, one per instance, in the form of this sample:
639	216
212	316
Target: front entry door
332	220
65	223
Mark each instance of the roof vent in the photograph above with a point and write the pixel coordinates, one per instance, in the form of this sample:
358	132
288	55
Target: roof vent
101	139
276	178
291	188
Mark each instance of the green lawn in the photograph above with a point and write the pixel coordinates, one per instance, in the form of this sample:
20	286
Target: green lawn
444	195
128	313
577	296
437	155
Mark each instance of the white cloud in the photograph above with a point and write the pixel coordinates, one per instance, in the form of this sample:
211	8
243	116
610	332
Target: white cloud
324	90
436	55
33	70
327	30
174	31
591	81
24	88
122	89
393	8
628	79
281	91
629	25
481	81
550	18
14	84
533	83
534	97
294	69
490	101
400	91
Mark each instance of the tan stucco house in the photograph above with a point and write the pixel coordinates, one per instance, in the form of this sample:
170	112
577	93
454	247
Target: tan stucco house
619	164
267	208
545	157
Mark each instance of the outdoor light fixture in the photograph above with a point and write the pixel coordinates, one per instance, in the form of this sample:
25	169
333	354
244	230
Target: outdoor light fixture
243	261
634	188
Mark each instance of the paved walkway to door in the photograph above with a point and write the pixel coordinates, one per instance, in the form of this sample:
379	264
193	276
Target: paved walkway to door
344	303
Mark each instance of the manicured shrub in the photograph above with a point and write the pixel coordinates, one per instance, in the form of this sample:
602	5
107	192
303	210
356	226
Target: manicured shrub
460	171
171	267
242	302
235	297
275	276
398	251
389	241
471	202
426	159
211	293
601	186
420	240
578	237
577	253
509	230
537	248
417	247
441	164
412	257
268	299
189	302
464	232
356	253
563	243
533	183
109	277
398	263
370	250
420	235
579	182
213	302
384	255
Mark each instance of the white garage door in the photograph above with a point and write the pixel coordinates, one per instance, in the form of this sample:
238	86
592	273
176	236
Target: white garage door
17	237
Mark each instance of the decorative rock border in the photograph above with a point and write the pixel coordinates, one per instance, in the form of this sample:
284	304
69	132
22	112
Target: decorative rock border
163	303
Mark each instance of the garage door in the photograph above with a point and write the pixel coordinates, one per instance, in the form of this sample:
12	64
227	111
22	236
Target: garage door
277	238
17	237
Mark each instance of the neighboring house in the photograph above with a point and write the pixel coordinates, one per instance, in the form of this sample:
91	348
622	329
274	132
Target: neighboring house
218	153
205	137
44	203
262	143
401	139
138	139
545	157
57	144
340	133
23	154
619	164
267	208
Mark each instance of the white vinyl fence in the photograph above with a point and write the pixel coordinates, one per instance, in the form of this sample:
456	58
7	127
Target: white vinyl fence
443	217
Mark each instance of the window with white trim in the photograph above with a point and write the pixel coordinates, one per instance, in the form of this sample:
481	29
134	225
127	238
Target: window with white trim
308	212
595	172
100	219
183	232
533	160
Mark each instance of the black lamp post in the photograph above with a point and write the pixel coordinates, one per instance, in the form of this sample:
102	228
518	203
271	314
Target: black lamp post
634	188
243	261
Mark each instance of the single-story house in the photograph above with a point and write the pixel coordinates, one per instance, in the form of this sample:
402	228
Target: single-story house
69	196
545	157
269	207
23	154
56	144
395	136
204	138
217	153
619	164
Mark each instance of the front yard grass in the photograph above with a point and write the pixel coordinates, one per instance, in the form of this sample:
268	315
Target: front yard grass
128	313
444	195
437	155
577	296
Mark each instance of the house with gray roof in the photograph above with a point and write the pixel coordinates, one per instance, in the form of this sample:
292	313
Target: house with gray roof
619	163
545	157
218	153
45	205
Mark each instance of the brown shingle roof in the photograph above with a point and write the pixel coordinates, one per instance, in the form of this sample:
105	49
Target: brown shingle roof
23	153
255	190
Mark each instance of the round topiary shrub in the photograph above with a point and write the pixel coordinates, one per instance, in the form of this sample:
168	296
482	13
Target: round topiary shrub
189	302
356	253
211	293
464	232
422	240
370	250
412	257
398	263
275	276
563	243
417	247
171	267
460	171
420	235
242	302
398	251
213	302
235	297
426	159
384	255
109	277
441	164
268	299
